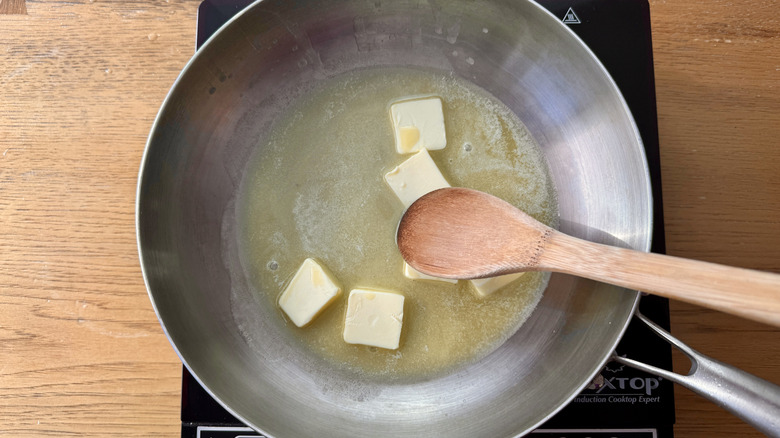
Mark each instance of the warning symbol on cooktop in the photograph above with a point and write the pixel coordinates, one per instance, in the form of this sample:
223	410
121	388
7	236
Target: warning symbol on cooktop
571	17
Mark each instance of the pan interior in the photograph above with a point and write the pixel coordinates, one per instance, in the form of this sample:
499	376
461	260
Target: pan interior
226	100
315	188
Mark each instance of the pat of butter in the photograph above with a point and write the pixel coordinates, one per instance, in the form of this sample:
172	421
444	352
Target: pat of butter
414	274
418	124
415	177
310	291
374	318
486	286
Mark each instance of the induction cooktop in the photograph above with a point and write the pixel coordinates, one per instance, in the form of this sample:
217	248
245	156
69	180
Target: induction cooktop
620	402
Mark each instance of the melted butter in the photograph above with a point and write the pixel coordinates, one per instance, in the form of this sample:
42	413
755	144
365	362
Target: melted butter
315	189
410	135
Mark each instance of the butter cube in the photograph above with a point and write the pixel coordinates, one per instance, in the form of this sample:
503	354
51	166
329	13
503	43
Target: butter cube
309	293
414	274
418	124
374	318
486	286
415	177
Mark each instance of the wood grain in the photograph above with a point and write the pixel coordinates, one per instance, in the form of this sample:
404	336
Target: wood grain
457	232
717	67
748	293
13	7
81	352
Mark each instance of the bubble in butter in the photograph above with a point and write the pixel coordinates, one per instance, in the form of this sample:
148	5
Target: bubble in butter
315	188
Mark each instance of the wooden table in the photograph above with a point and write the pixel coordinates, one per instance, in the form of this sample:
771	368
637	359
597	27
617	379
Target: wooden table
81	351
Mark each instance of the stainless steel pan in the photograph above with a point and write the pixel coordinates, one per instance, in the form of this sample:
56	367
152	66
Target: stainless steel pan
221	107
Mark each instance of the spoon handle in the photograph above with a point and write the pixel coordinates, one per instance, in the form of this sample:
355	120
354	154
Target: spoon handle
747	293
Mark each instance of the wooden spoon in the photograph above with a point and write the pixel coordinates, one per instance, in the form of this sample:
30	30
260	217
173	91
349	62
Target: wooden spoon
464	233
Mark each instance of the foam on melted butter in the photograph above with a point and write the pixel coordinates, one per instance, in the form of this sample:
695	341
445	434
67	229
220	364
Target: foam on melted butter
315	189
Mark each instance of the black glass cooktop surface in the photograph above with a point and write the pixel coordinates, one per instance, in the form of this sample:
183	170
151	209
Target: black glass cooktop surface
621	402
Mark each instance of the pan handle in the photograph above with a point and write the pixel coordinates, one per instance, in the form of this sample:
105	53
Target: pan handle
754	400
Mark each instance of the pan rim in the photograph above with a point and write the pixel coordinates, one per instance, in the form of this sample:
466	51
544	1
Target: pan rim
167	103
